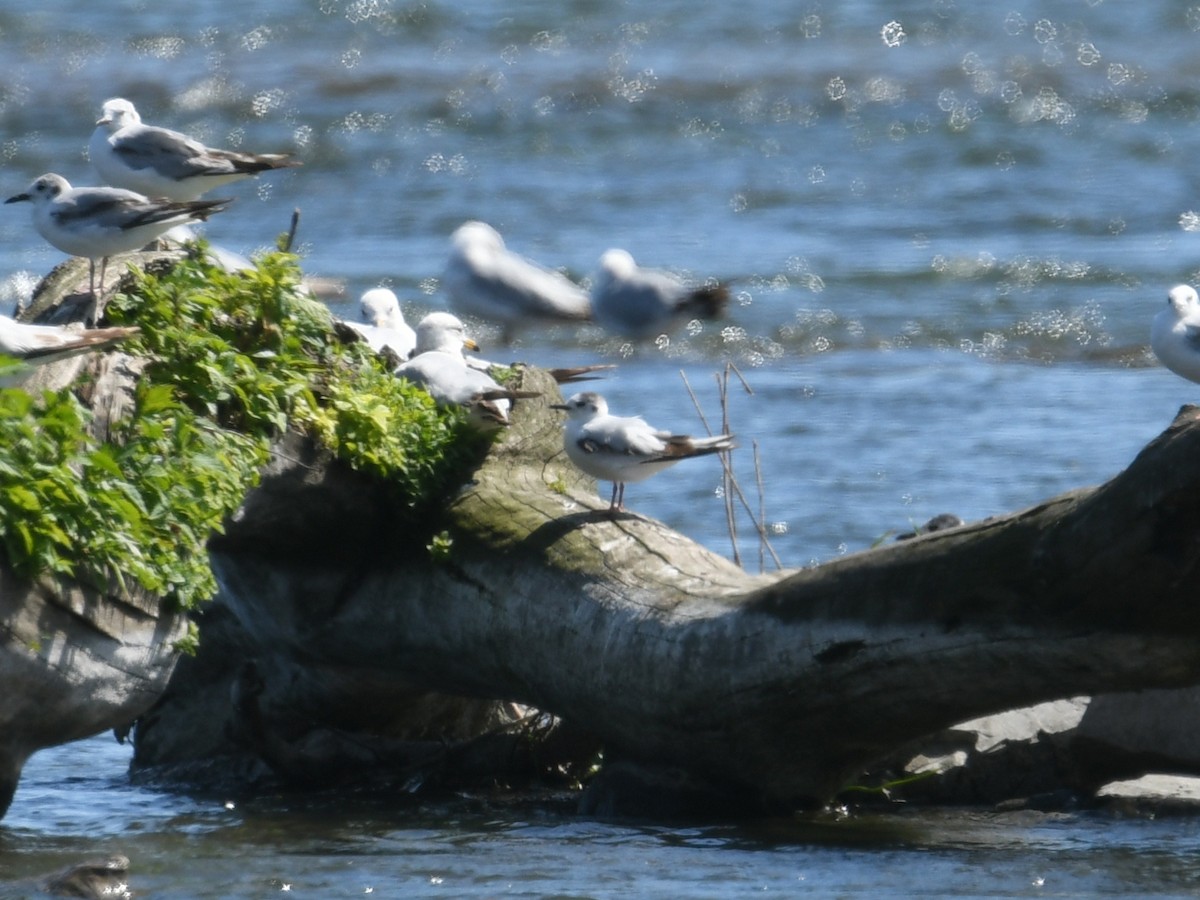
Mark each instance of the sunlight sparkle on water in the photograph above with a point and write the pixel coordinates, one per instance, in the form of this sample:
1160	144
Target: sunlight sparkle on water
893	34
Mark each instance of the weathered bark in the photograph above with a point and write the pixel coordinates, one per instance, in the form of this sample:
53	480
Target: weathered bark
782	687
76	661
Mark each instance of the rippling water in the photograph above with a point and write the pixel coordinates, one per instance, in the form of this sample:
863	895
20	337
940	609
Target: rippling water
74	804
948	226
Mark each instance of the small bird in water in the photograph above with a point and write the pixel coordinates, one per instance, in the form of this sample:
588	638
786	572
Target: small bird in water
621	449
98	222
483	278
159	162
439	367
640	303
1175	335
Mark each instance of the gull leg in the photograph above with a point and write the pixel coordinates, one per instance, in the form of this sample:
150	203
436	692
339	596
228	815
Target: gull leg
98	293
617	504
95	314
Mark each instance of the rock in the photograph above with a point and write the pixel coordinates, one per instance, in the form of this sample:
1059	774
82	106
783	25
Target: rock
993	759
96	879
1126	734
1152	794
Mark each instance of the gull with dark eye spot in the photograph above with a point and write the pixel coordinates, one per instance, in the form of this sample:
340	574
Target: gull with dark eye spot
99	222
159	162
622	449
1175	335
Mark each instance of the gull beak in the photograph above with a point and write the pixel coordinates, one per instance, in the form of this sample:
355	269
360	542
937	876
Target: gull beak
104	120
18	198
561	406
470	344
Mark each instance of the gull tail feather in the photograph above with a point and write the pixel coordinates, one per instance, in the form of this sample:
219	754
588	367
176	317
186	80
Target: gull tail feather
681	446
578	373
90	340
709	302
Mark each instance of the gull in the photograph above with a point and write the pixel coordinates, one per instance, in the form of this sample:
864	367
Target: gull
159	162
639	303
483	278
41	343
385	325
621	449
97	222
439	367
1175	335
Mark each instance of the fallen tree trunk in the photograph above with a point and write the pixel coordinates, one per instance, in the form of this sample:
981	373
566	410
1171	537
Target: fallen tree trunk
780	687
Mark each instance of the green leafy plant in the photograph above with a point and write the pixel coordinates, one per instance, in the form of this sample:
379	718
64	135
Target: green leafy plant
232	361
439	548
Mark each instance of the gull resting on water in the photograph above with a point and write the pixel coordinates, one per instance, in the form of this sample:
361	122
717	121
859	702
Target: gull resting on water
483	278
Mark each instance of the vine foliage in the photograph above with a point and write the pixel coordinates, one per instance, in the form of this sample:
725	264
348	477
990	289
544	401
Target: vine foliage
233	360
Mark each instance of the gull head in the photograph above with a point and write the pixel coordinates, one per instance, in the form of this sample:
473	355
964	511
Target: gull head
381	308
476	236
443	332
583	406
116	113
617	263
1182	298
43	190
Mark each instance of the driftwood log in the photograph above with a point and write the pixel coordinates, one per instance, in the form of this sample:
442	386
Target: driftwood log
776	689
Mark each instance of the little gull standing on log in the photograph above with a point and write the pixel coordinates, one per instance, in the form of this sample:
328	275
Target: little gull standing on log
98	222
625	448
1175	335
159	162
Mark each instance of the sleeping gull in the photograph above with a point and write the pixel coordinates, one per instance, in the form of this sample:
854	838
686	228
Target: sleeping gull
482	278
97	222
1175	335
159	162
639	303
385	325
621	449
439	367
